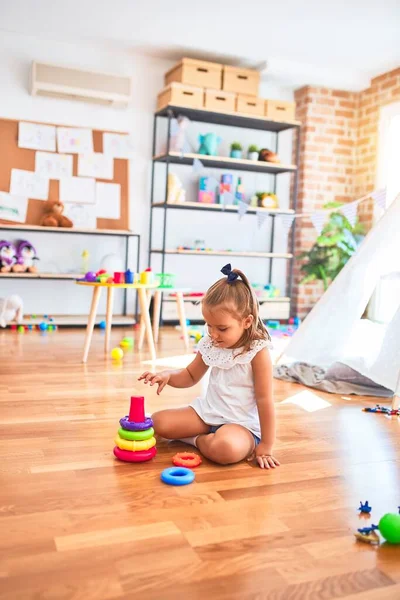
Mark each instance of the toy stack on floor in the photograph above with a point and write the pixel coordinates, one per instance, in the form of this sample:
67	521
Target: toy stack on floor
135	441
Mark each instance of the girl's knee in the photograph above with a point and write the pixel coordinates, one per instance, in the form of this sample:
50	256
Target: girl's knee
162	423
226	451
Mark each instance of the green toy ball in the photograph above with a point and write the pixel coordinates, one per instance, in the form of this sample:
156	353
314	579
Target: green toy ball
127	342
389	528
21	329
117	354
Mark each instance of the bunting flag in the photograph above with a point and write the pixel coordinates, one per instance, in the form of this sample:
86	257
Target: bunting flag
318	220
243	206
350	212
379	198
261	218
198	166
287	222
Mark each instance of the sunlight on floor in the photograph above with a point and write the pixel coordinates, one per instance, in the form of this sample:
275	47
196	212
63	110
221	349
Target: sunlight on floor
307	401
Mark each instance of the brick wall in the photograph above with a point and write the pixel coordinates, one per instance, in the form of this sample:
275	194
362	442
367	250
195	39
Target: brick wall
338	150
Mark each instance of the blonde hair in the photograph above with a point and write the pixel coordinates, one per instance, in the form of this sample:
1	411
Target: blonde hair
240	301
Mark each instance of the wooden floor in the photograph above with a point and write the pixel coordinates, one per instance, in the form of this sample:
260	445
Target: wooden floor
77	524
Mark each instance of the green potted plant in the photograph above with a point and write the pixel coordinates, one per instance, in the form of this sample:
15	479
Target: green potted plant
252	152
236	150
334	246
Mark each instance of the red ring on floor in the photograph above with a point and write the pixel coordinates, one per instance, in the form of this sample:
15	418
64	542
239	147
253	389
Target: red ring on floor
186	459
140	456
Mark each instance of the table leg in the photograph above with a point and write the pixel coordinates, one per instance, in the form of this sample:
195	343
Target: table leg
142	330
156	314
144	309
92	318
109	312
182	317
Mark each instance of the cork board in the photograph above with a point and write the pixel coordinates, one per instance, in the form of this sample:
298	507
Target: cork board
13	157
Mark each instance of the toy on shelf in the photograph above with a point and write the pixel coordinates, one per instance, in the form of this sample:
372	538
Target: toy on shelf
117	354
177	476
129	276
119	277
8	256
135	441
176	194
166	280
26	256
186	459
206	194
178	141
225	186
365	508
239	193
11	309
265	200
383	410
236	150
53	216
85	261
209	144
268	156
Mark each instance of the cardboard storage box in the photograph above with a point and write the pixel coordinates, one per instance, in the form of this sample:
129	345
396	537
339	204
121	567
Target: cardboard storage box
240	81
196	72
179	94
279	110
250	105
219	101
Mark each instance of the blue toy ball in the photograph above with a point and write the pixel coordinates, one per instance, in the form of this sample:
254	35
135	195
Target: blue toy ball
102	324
177	476
43	326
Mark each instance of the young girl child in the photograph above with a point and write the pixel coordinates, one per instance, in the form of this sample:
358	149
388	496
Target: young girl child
236	418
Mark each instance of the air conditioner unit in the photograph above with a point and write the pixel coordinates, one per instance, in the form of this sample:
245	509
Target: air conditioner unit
88	86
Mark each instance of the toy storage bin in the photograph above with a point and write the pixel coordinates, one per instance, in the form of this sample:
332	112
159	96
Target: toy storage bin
196	72
250	105
219	101
179	94
240	81
279	110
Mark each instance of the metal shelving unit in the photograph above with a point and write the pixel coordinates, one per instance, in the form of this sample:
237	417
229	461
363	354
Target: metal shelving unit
126	234
219	162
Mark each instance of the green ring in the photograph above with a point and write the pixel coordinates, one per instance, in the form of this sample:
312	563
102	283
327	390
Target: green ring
138	436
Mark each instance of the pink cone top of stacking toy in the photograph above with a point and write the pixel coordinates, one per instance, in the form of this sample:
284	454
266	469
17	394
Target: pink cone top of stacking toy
136	412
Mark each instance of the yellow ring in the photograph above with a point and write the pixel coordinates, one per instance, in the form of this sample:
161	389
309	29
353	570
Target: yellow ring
135	446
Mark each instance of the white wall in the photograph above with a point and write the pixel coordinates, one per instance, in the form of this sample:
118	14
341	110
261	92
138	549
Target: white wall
63	253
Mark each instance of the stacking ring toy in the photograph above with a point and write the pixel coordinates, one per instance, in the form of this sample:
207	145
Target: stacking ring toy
186	459
134	446
135	425
141	456
136	435
177	476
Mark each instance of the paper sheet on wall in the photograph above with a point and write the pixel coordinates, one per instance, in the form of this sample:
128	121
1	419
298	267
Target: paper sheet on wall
108	200
98	165
74	140
83	216
117	145
53	166
29	184
79	190
36	136
13	208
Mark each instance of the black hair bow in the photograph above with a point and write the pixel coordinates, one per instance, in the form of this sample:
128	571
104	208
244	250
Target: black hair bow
227	270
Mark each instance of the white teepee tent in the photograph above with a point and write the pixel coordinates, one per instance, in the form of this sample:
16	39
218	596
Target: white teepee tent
327	334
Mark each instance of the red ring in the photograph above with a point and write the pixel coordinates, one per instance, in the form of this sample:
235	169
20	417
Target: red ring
186	459
140	456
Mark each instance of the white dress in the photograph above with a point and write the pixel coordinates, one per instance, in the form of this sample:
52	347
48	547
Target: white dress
230	396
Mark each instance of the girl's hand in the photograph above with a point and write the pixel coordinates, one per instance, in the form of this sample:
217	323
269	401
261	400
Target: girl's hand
162	379
264	457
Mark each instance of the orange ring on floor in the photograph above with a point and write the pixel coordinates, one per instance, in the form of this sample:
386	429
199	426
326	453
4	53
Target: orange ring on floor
186	459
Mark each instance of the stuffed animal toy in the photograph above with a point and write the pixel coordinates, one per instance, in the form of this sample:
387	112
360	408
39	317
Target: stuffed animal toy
176	193
11	309
8	256
53	216
209	144
26	255
268	156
